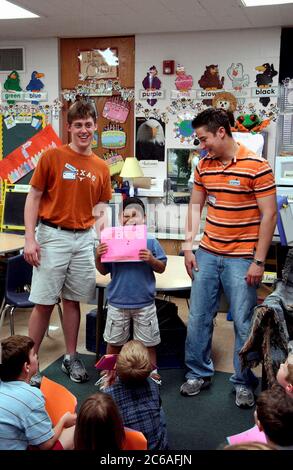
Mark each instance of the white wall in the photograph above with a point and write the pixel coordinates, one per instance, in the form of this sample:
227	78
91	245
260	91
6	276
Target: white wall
41	55
196	50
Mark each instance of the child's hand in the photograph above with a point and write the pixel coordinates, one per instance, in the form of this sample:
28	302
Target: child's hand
146	255
102	249
69	419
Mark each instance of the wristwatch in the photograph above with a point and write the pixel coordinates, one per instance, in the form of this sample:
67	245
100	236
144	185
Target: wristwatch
258	262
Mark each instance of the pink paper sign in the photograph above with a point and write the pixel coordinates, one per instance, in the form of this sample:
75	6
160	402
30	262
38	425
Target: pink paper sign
124	243
251	435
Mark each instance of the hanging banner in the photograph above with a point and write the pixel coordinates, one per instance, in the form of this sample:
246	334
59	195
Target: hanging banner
25	157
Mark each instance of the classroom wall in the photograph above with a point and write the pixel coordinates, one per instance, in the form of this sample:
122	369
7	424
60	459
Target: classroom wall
194	51
41	55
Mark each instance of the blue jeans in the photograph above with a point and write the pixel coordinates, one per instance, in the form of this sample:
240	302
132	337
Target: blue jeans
217	273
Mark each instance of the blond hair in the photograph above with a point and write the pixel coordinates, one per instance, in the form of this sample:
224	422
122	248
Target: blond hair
249	446
289	376
133	363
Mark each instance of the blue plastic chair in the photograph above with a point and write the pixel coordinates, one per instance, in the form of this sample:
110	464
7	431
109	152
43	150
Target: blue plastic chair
17	289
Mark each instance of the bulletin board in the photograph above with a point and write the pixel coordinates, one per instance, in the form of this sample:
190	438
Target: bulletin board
13	137
13	212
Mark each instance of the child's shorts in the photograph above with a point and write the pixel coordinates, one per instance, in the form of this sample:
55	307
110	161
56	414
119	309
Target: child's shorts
145	325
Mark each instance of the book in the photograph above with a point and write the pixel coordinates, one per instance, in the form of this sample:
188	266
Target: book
107	362
251	435
124	243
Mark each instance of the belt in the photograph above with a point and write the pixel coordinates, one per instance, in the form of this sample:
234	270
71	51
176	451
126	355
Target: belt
50	224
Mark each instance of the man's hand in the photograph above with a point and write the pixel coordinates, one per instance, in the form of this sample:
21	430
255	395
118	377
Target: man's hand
32	252
147	256
190	262
254	275
102	249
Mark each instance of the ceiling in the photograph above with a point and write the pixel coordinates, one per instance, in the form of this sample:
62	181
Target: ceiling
75	18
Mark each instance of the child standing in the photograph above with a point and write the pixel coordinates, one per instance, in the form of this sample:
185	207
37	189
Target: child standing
131	292
138	397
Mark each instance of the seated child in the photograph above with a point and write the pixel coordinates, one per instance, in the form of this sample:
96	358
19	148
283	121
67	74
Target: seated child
137	396
99	425
274	416
24	421
131	292
285	375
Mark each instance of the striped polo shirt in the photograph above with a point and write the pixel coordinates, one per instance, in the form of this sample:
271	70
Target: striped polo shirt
23	418
232	190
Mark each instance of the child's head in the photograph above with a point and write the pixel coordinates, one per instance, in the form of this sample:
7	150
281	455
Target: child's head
285	375
133	363
274	415
81	110
18	358
249	446
132	211
99	425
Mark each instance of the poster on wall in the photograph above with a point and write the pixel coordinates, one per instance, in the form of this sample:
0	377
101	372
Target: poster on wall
150	139
25	158
98	64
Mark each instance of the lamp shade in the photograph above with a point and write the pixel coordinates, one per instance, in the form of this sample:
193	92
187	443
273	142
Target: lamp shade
131	168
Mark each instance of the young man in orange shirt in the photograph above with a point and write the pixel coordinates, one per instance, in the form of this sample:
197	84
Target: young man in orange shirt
67	184
239	189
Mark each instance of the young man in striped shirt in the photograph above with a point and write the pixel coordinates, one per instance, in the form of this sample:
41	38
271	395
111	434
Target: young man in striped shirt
239	189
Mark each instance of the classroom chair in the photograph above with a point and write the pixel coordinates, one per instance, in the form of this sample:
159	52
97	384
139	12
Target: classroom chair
17	289
134	440
58	400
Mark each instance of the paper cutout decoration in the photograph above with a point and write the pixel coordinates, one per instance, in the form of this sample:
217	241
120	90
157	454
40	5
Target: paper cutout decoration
124	243
95	140
25	158
113	137
151	82
225	100
116	109
107	362
250	123
150	139
12	84
251	435
237	76
265	79
183	129
210	80
183	82
35	84
115	162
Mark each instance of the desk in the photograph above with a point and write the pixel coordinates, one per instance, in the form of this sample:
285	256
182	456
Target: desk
10	242
174	278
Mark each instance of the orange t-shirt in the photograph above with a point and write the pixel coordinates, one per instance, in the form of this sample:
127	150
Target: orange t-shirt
233	216
72	185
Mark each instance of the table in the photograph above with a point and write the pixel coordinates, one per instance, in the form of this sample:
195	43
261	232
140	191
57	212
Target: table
10	242
174	278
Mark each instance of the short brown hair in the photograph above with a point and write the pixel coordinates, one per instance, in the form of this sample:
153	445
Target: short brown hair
99	425
213	119
133	363
81	110
15	352
274	409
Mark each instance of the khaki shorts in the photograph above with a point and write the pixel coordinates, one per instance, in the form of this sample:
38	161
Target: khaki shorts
145	325
67	266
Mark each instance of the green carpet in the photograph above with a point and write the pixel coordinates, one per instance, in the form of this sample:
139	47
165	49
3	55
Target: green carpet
194	423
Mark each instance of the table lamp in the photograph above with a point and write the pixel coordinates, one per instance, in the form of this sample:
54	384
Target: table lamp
131	170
